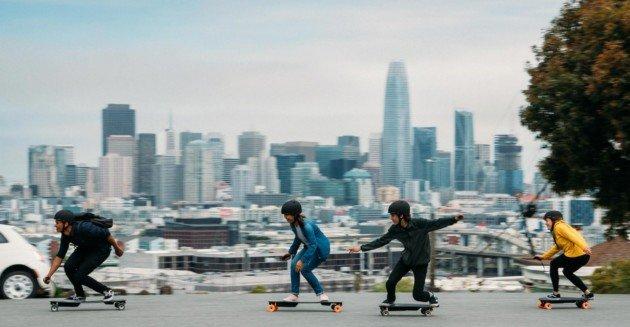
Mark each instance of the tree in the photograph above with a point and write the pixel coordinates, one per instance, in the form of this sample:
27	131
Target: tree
614	278
579	104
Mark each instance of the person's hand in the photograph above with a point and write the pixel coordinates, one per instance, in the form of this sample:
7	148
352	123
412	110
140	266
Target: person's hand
298	265
537	257
286	257
459	217
119	252
588	251
47	280
354	249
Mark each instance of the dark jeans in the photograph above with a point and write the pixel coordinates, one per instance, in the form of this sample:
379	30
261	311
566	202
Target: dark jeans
399	271
81	263
570	266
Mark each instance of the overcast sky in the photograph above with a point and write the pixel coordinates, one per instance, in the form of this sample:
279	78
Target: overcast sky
292	70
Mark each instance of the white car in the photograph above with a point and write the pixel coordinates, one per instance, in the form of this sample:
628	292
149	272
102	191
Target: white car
22	267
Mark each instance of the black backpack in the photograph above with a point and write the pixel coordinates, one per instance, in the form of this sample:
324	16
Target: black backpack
96	220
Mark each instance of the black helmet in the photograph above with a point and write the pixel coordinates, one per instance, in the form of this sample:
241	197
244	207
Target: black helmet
400	208
291	207
553	215
64	215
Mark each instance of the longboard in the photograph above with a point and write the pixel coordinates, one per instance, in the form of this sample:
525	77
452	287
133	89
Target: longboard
425	309
118	303
580	302
274	306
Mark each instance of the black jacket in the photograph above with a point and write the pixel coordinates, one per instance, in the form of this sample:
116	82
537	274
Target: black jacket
417	247
84	234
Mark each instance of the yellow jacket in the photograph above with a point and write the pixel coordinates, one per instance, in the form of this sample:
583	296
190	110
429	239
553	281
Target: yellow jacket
568	240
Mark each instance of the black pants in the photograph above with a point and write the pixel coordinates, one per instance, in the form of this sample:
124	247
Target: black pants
81	263
399	271
570	266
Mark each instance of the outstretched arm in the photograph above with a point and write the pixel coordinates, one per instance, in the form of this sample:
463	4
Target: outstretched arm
436	224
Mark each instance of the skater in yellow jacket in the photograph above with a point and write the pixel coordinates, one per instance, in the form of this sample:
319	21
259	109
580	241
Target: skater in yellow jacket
576	253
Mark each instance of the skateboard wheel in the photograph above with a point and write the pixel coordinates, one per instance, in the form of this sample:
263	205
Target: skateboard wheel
54	307
426	312
539	304
547	306
272	308
384	312
337	308
585	305
119	306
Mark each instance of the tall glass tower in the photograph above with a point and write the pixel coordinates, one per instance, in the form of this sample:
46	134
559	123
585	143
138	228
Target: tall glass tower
396	142
464	151
118	119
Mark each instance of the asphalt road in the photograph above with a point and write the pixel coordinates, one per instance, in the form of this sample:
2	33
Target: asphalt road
359	309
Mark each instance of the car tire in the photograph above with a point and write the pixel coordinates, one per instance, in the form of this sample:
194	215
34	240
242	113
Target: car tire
18	284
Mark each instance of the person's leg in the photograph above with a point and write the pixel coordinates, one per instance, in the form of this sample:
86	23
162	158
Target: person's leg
572	265
70	267
307	272
419	275
295	276
400	270
553	272
92	261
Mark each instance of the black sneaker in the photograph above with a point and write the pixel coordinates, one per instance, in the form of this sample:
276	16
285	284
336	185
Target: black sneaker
388	302
108	295
76	298
433	300
589	296
553	296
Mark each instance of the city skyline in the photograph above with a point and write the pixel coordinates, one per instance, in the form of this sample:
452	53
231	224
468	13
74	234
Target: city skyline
270	79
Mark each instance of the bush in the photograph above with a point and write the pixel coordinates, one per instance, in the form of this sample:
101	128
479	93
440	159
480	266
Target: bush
404	286
614	278
258	289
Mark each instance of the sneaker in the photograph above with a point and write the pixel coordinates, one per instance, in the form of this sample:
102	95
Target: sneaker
388	302
291	298
108	295
433	300
76	298
589	296
323	298
553	296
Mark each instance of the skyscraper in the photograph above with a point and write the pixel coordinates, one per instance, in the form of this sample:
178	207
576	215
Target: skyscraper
228	165
124	146
167	180
464	151
299	147
118	119
43	170
424	148
482	159
242	183
146	160
187	137
300	175
250	144
217	146
507	159
170	139
199	178
324	154
396	142
443	170
115	175
284	164
374	150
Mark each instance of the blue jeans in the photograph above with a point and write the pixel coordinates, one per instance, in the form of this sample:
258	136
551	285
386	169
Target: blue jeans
307	272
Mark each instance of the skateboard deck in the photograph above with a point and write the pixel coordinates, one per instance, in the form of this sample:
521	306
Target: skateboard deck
547	303
425	309
274	306
118	303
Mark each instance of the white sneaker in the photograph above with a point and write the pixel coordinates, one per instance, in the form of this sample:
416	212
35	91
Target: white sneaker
108	296
291	298
323	298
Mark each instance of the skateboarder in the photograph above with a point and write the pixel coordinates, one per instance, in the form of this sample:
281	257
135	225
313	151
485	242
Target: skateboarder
412	233
576	253
93	245
315	251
